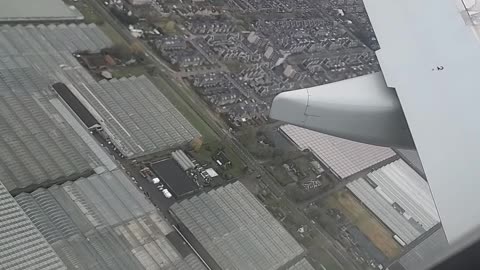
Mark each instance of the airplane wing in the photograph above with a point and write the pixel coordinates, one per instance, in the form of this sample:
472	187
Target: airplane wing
363	109
430	55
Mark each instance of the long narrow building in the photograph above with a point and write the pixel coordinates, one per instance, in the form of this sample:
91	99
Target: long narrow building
400	198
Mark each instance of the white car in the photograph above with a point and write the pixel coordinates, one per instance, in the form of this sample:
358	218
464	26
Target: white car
155	180
166	193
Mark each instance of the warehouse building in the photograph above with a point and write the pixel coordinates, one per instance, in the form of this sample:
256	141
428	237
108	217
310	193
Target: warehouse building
430	249
236	230
136	116
303	264
43	11
343	157
400	198
22	246
183	160
104	222
52	40
42	141
133	112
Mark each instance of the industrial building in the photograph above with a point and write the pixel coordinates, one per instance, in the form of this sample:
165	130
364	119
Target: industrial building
42	142
428	250
41	11
343	157
139	121
22	246
104	222
183	160
400	198
136	116
303	264
236	229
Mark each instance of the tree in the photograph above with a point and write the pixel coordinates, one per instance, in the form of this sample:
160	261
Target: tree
120	51
278	156
197	144
136	48
169	27
248	136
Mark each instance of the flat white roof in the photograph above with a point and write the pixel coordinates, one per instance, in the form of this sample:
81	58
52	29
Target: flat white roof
211	172
344	157
408	189
384	210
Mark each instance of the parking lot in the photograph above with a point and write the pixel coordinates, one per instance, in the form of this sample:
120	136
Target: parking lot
174	178
133	170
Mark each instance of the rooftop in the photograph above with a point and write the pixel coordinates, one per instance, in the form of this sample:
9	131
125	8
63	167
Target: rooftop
344	157
22	246
236	230
138	118
104	222
41	10
400	197
303	264
424	253
43	143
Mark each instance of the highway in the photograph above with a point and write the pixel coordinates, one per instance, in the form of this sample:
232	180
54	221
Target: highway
328	242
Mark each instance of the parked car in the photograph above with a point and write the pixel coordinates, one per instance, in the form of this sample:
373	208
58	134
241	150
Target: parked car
166	193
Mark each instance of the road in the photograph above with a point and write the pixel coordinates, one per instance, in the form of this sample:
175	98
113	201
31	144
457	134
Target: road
329	244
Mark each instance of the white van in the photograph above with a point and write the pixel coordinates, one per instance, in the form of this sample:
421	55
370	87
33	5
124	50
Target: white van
166	193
